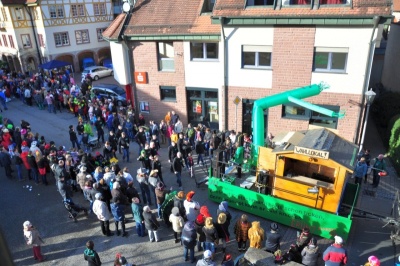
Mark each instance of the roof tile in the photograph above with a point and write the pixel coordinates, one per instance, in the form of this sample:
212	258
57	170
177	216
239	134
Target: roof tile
113	31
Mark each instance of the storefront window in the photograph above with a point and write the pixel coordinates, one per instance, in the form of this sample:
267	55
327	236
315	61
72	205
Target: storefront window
203	107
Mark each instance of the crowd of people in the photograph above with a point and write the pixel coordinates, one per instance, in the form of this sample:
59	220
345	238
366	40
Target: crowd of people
110	191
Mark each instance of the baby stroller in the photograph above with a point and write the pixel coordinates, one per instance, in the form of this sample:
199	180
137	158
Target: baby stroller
73	209
90	142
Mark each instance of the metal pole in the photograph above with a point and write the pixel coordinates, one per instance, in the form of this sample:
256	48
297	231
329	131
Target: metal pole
236	117
365	127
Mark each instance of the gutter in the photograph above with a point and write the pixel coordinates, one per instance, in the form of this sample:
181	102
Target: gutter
368	68
225	90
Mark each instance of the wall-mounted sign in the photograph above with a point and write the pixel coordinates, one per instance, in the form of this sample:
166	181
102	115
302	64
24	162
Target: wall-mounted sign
141	77
311	152
144	107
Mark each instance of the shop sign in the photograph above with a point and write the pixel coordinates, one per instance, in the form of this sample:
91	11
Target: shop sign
311	152
141	77
292	214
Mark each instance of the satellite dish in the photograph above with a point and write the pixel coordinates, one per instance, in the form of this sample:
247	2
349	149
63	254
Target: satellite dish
126	7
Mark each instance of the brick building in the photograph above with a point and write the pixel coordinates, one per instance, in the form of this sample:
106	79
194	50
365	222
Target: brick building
199	56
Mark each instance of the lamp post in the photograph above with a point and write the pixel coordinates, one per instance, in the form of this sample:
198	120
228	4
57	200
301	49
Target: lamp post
369	96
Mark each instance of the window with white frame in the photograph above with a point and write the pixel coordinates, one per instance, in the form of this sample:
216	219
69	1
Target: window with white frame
100	34
19	13
11	40
26	41
260	2
61	39
206	50
99	9
82	36
256	56
330	59
5	40
297	112
4	14
78	10
56	11
166	56
41	40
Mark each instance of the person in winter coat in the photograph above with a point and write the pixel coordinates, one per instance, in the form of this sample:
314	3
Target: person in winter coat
360	171
241	230
204	211
137	211
199	147
33	166
178	202
223	207
273	241
222	230
373	261
144	185
151	223
5	161
211	234
32	237
256	235
227	261
206	260
189	238
103	214
335	255
199	224
310	253
177	223
191	207
118	203
91	255
303	239
161	192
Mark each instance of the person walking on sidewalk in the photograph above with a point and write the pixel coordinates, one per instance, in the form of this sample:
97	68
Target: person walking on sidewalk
378	167
335	254
91	255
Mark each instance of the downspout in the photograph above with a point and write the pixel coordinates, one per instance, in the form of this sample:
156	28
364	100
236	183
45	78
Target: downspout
225	91
34	34
367	75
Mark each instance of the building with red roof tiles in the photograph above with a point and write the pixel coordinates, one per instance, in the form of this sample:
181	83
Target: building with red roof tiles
210	59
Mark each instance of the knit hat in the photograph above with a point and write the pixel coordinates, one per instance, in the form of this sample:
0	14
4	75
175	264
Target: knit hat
181	194
223	206
175	211
24	143
338	240
190	195
274	226
374	261
47	146
221	218
5	130
209	222
207	254
189	226
228	257
27	224
98	196
200	219
160	185
83	169
204	211
306	230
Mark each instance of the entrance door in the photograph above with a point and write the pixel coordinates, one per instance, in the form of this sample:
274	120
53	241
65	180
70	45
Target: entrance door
247	117
203	107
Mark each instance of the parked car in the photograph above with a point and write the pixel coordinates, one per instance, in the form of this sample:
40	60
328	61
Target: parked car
108	63
97	72
87	62
110	91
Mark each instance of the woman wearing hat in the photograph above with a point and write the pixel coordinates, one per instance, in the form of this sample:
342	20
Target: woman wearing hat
199	224
103	214
241	229
177	223
256	235
189	237
373	261
222	230
161	192
211	234
32	237
310	253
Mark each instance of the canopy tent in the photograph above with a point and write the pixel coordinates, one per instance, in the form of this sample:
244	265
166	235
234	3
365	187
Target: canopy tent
54	64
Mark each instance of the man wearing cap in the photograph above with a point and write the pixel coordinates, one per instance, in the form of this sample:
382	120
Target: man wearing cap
191	207
103	214
32	237
335	255
207	259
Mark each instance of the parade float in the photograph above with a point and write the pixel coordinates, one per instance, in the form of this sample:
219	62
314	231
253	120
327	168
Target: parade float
299	180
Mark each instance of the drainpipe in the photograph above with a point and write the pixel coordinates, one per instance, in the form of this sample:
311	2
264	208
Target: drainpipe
28	10
225	91
367	75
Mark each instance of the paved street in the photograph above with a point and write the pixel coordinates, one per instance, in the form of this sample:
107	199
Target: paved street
65	240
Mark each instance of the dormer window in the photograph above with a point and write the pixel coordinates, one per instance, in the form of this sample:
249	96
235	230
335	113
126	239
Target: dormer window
208	6
260	2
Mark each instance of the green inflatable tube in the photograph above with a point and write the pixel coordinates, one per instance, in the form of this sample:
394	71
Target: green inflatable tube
274	100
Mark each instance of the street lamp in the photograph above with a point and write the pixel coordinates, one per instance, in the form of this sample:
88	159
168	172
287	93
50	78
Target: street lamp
369	96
